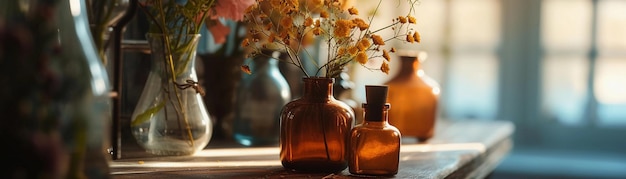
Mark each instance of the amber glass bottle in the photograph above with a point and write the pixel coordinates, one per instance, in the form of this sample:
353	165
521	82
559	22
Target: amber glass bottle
314	129
375	144
415	97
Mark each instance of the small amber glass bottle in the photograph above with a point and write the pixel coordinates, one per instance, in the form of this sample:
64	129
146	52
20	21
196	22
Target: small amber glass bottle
375	144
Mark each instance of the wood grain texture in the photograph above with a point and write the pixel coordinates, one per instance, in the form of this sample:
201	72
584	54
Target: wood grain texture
459	149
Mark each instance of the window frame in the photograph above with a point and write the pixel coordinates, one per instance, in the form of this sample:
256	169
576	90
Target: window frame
521	55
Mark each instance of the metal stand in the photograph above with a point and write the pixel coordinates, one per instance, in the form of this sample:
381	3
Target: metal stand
116	129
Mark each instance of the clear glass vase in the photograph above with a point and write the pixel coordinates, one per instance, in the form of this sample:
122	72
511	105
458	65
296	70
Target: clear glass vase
260	98
170	117
315	129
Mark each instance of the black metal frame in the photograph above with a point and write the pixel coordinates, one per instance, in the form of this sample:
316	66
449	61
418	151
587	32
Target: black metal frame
116	129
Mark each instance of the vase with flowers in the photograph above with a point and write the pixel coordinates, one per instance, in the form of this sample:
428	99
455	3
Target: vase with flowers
170	117
314	128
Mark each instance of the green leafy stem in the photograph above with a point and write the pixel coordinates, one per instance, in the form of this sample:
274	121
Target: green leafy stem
145	116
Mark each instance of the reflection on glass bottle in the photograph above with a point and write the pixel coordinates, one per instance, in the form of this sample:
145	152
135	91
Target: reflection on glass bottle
55	109
414	96
342	89
260	98
92	125
375	144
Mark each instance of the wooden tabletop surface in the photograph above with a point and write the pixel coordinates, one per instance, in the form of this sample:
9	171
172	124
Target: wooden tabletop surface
459	149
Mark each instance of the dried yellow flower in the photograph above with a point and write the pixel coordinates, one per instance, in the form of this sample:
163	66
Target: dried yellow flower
402	19
353	11
353	50
317	23
378	40
392	50
361	57
317	31
417	37
384	67
245	42
343	28
246	69
363	44
409	38
308	22
324	14
411	19
341	51
386	55
360	23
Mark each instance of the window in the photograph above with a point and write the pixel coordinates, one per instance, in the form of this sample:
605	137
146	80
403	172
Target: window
557	68
610	77
460	38
566	32
584	62
471	88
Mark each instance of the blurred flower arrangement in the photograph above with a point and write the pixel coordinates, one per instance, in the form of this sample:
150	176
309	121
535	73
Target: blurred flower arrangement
31	110
233	10
292	25
48	114
175	19
178	17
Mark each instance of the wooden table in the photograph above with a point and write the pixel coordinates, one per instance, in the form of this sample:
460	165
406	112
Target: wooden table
459	149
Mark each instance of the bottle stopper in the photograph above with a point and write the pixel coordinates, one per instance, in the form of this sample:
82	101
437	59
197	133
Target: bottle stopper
376	100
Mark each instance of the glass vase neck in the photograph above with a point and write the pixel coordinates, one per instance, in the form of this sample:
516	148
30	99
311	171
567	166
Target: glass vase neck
410	64
181	48
318	88
266	61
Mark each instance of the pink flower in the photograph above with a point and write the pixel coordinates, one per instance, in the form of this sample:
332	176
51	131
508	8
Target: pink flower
231	9
219	32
